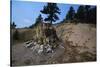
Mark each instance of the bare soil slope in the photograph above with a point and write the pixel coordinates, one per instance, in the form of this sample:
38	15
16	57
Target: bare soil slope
78	40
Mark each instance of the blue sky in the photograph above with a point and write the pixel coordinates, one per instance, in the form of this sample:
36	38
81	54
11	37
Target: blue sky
24	13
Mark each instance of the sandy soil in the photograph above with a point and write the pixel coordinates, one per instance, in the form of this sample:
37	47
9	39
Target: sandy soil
78	40
80	35
25	56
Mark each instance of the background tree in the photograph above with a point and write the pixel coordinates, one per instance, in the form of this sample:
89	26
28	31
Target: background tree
86	14
81	13
71	14
38	20
92	15
87	10
51	10
13	25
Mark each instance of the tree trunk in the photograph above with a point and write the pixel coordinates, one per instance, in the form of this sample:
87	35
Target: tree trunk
51	22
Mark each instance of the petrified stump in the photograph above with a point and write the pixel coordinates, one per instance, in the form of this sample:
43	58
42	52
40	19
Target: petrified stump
46	34
46	48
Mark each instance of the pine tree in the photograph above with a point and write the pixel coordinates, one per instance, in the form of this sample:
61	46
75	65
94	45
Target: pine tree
92	15
51	10
71	14
81	13
39	19
86	14
87	11
13	25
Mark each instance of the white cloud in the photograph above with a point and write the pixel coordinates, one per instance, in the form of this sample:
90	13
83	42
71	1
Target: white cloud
27	21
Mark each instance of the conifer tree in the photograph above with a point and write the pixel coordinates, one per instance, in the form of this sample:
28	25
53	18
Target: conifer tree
81	13
13	25
39	19
51	10
71	14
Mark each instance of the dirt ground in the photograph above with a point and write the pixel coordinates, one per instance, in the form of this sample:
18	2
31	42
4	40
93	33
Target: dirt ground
78	40
25	56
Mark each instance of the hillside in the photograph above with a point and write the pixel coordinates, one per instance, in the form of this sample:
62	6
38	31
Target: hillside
79	34
77	40
80	39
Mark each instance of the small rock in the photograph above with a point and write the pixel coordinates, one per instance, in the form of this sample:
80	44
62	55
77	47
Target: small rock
40	49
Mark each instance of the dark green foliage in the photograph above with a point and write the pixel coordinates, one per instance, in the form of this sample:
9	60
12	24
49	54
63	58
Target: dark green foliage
81	13
84	14
92	15
51	10
13	25
38	20
71	14
31	26
87	11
